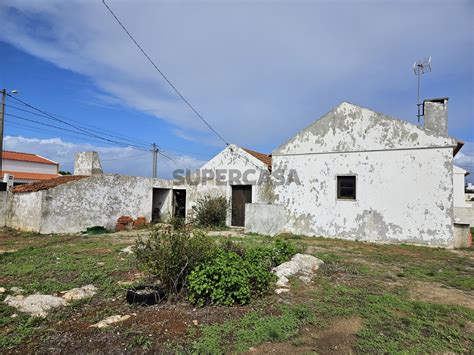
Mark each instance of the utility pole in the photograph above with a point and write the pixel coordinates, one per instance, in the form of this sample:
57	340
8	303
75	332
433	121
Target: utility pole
2	120
154	150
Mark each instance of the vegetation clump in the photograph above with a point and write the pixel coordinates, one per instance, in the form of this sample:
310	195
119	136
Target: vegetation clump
171	255
210	211
237	275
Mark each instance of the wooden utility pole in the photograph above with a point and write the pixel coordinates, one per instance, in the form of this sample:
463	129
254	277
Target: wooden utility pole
2	120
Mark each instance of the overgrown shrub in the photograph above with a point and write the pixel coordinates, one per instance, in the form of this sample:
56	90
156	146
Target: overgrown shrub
177	222
210	211
237	275
171	255
227	279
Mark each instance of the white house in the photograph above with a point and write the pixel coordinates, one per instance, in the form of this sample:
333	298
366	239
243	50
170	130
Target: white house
366	176
27	167
235	173
459	187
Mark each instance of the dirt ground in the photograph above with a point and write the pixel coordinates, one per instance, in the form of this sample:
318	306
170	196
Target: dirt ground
365	298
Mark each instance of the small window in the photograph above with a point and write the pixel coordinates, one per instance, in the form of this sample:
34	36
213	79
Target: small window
346	187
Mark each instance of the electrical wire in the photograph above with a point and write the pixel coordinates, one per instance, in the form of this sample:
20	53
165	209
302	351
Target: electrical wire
85	131
96	129
164	76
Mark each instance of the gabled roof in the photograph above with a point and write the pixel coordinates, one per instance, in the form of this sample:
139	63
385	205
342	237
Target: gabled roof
350	128
264	158
32	158
21	175
47	184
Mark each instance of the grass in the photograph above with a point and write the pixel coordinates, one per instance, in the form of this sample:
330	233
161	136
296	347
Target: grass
252	329
368	281
393	323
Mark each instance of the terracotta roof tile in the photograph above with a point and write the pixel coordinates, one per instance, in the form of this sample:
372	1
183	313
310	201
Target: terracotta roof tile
29	176
33	158
47	184
264	158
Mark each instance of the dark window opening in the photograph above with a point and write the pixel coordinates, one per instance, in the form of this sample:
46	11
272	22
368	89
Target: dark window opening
346	187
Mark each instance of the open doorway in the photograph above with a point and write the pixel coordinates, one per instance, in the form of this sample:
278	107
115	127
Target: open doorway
179	203
160	205
241	194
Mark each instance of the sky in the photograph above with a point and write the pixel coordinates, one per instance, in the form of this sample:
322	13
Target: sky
258	71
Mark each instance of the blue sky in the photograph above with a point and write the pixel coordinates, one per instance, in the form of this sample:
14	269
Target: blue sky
258	71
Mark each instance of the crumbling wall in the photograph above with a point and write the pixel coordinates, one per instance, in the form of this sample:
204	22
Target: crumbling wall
3	207
24	211
404	180
264	218
231	158
98	201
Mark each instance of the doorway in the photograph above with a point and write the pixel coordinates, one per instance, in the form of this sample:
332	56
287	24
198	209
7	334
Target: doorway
179	203
241	194
160	205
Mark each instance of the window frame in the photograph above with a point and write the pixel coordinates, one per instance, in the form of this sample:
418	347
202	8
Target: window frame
338	188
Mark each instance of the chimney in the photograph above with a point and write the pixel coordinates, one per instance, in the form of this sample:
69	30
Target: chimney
436	115
87	163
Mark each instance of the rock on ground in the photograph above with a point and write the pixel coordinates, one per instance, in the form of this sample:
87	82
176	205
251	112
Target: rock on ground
79	293
110	320
36	305
127	250
300	264
16	290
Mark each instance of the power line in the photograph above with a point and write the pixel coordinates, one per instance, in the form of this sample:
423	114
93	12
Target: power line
97	129
85	131
164	76
42	130
68	130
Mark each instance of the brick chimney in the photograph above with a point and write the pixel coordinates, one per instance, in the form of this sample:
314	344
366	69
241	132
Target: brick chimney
436	115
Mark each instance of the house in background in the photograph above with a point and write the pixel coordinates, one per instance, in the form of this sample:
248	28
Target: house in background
237	165
366	176
26	167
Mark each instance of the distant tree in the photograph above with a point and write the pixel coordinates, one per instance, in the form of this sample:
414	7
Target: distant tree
64	172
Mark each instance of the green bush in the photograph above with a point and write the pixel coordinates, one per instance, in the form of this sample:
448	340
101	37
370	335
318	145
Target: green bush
210	211
227	279
237	275
171	255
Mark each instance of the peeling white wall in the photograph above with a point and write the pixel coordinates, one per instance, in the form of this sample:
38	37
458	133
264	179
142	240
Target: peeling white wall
24	211
98	200
404	178
459	187
232	157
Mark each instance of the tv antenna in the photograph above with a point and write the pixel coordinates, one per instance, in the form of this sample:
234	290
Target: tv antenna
420	67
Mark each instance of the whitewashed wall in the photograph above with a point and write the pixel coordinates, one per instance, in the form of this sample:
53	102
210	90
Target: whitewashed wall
98	200
29	167
404	179
232	157
402	196
25	211
459	183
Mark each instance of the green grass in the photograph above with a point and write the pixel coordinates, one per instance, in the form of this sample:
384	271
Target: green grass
252	329
395	324
65	265
357	280
53	264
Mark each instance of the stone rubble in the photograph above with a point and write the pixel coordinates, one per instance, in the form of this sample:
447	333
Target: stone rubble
35	305
38	305
110	320
79	293
303	265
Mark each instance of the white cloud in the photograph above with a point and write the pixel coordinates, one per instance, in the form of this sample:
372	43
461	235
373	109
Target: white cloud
465	159
114	160
258	71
